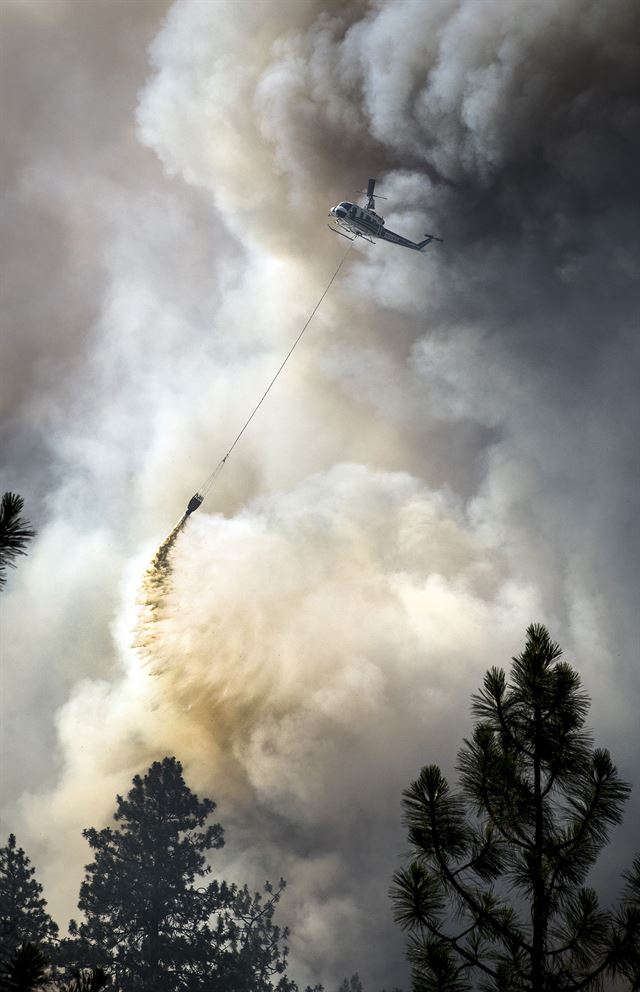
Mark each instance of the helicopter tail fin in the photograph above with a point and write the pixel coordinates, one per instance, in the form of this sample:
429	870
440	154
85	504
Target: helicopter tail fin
428	238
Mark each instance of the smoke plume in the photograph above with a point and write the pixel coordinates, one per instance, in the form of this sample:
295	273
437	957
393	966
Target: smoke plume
451	454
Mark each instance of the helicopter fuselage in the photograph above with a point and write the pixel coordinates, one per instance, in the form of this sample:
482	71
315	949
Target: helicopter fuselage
360	221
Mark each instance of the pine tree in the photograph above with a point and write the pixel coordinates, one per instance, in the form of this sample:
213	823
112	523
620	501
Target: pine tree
252	950
15	532
352	984
85	980
149	914
143	912
494	897
23	915
24	971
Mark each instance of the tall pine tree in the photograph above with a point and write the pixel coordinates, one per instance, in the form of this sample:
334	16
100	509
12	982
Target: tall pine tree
151	917
494	897
143	912
23	915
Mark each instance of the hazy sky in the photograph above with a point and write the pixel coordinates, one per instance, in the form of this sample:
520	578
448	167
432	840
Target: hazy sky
452	453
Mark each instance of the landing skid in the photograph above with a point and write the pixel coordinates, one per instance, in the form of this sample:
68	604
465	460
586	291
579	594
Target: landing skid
336	231
354	238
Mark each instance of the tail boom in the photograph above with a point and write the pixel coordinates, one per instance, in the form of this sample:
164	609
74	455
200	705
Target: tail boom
397	239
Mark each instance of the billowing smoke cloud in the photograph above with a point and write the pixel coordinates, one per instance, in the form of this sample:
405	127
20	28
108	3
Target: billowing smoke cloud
311	647
451	455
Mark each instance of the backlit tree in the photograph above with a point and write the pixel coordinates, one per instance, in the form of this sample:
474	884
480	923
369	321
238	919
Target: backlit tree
152	917
495	895
23	915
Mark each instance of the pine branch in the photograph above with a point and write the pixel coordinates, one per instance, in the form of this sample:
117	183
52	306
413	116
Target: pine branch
478	911
15	532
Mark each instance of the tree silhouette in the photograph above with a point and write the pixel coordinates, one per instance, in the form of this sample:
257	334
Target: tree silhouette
142	910
85	980
28	970
251	949
24	971
352	984
151	916
494	896
15	533
23	916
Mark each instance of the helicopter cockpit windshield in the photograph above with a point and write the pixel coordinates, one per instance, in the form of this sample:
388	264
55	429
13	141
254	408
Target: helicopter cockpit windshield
342	210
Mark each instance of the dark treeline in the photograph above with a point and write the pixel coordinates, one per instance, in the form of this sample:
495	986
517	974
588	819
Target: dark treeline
153	918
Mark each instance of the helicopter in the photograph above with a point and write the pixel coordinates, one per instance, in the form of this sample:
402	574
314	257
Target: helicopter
364	222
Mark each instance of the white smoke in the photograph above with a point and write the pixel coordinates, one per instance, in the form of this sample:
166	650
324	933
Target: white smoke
449	456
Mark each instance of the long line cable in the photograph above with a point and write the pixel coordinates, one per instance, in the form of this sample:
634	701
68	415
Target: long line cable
205	488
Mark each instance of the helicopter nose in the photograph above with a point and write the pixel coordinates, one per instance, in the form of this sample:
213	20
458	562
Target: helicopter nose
339	212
